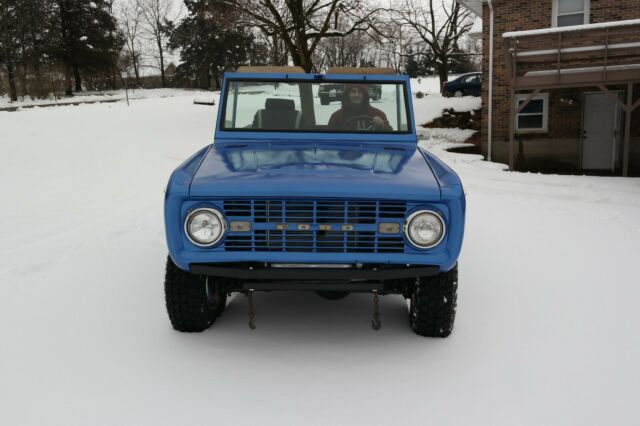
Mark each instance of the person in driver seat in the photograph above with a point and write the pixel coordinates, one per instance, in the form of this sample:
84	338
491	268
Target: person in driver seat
356	113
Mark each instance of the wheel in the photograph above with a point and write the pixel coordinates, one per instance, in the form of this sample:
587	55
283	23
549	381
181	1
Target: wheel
359	122
324	100
191	304
433	304
458	94
332	295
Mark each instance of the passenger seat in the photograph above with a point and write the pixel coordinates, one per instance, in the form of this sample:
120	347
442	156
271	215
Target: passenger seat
278	114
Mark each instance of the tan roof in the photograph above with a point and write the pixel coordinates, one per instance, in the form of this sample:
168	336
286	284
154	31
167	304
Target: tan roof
279	70
353	70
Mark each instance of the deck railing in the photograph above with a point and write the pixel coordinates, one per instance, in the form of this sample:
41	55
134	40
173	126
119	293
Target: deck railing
594	53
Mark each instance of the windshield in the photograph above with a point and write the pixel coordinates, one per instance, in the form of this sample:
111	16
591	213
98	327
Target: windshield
345	107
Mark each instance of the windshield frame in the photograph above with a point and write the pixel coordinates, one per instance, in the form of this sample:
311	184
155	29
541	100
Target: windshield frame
408	135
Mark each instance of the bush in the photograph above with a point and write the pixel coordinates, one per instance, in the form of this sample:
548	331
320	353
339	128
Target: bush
462	120
419	95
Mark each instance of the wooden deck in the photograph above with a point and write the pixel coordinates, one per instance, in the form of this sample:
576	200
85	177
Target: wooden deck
585	55
592	55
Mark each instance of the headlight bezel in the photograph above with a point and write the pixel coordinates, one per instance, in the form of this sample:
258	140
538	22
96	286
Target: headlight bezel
417	213
215	212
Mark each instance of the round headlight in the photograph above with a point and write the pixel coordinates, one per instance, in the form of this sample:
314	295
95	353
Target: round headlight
204	227
425	229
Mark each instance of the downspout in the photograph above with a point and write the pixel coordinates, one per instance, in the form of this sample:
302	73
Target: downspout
490	95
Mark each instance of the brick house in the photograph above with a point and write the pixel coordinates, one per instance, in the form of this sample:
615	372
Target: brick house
563	90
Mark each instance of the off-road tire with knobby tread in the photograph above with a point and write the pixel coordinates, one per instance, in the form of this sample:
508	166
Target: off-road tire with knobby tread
332	295
189	306
433	304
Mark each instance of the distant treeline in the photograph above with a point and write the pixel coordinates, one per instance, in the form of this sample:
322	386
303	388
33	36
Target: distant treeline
49	45
58	47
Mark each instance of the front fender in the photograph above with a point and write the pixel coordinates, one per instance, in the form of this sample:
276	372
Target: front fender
452	194
176	193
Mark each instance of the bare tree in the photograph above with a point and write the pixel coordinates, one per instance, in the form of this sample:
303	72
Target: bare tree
396	44
440	26
129	22
302	24
278	53
156	16
349	51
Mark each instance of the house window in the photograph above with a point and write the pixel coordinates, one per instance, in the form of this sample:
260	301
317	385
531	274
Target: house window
533	117
570	12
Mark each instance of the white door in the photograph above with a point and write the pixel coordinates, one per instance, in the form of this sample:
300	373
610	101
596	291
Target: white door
600	131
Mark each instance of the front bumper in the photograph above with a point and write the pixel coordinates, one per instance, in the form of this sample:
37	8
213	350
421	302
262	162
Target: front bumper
253	276
378	273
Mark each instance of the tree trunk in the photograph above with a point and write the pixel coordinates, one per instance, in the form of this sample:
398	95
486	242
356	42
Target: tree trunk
305	56
13	91
216	78
279	52
300	60
162	80
40	89
443	72
136	71
22	78
204	81
67	80
276	51
77	78
114	77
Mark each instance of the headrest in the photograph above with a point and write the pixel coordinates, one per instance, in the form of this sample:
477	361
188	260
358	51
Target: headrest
275	103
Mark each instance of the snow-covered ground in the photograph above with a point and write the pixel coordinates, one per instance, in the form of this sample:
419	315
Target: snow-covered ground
113	95
429	84
547	330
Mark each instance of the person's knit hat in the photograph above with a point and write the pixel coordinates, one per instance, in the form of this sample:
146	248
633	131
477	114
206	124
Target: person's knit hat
363	87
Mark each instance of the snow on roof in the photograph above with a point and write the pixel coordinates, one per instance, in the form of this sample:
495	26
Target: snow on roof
474	6
594	48
582	70
476	29
554	30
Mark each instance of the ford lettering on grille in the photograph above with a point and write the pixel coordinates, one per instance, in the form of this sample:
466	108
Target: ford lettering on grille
293	225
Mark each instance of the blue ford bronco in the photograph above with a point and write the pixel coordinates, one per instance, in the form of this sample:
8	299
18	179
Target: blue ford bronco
294	195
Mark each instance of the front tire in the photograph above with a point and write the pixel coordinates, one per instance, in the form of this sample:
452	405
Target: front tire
433	304
324	100
192	304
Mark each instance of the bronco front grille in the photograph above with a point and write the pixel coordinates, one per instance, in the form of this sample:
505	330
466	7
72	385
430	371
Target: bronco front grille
324	225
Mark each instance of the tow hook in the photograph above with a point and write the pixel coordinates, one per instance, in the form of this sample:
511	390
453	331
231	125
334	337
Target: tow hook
252	312
375	323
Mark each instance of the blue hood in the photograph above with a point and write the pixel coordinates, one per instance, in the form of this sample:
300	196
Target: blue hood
315	169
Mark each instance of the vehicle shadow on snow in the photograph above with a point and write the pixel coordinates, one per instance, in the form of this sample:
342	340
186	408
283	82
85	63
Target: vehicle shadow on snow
296	316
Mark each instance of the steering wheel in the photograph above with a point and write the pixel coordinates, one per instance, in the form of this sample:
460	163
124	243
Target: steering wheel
359	122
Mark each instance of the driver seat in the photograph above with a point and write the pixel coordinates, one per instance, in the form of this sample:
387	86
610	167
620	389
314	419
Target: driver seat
278	114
